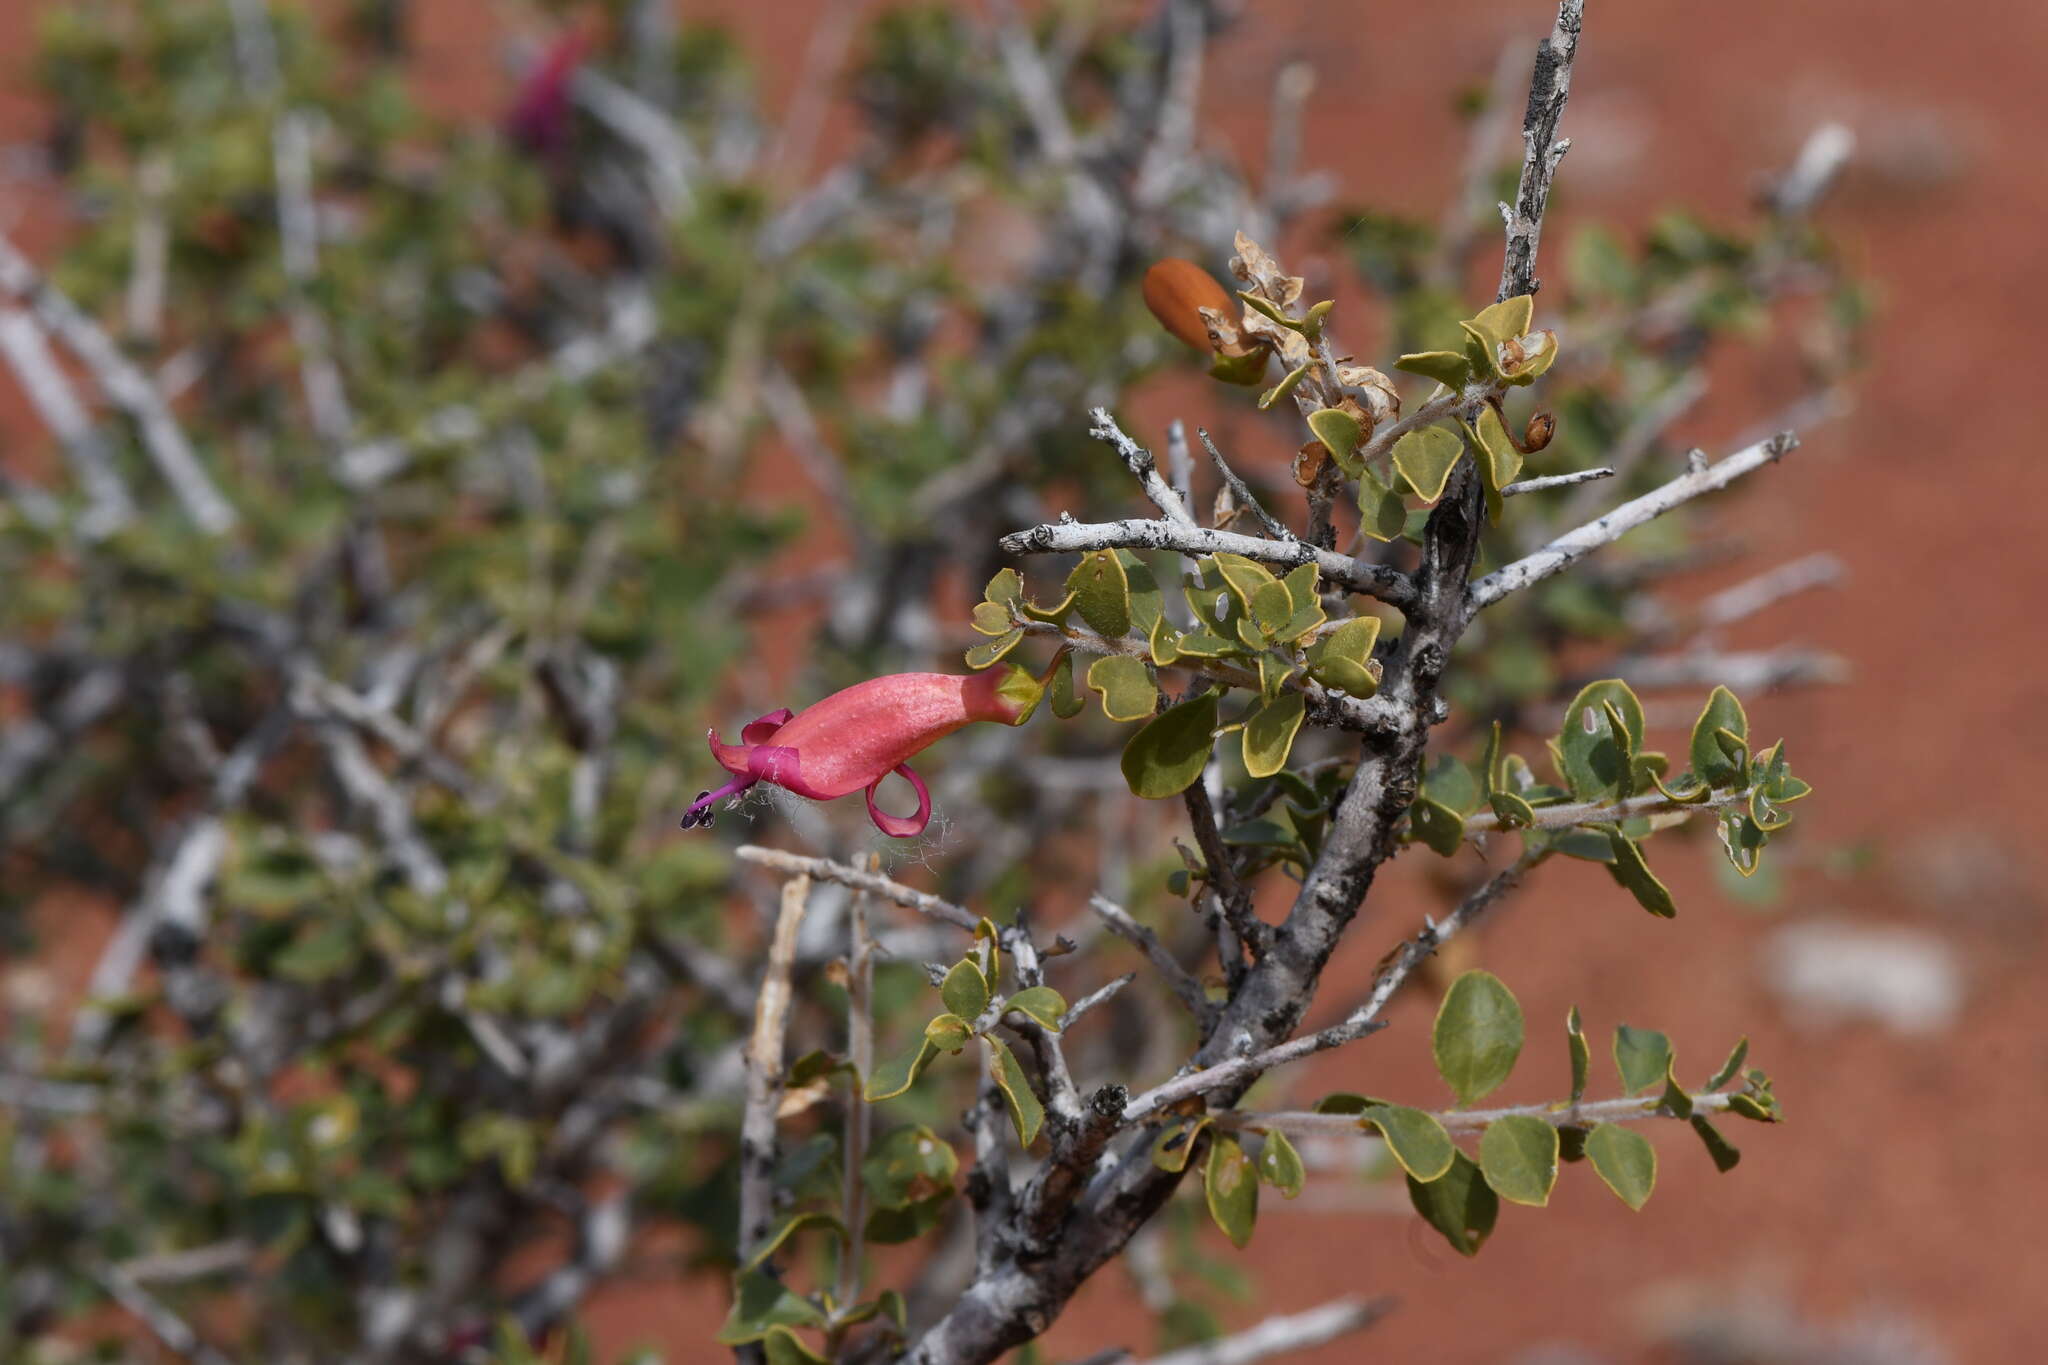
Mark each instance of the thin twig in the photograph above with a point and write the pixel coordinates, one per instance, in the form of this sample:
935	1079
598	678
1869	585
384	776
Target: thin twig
1279	1335
127	386
1541	151
860	1051
1550	481
1178	980
1380	581
1624	1110
825	870
1573	546
1242	491
1088	1002
1142	466
764	1073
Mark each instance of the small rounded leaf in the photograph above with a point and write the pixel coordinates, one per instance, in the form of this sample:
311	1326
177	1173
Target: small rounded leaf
965	989
1518	1155
1625	1160
1425	459
1416	1139
1126	688
1459	1204
1269	733
1280	1165
1168	755
1232	1188
1478	1035
1026	1112
1041	1004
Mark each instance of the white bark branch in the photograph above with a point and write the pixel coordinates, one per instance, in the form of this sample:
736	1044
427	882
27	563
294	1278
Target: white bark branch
1279	1335
1379	581
1573	546
127	386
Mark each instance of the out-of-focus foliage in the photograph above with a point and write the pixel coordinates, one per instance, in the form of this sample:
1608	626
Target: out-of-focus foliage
417	1010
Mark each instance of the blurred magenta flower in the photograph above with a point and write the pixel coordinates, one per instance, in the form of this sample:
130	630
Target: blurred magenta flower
539	118
855	738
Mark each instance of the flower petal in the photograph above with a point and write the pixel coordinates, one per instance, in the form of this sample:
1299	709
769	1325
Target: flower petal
763	730
902	826
782	765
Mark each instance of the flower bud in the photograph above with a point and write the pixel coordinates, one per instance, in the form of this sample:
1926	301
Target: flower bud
1176	291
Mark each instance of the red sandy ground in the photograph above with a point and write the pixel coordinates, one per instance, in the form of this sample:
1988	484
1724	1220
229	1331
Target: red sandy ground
1903	1186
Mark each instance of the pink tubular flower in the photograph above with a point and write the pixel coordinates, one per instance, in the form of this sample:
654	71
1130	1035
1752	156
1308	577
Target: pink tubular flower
855	738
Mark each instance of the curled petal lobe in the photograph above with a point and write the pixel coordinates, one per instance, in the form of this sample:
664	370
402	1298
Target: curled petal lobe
902	826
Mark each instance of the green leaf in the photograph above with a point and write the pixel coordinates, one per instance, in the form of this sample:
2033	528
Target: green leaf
1382	514
1232	1188
1342	657
1168	755
1055	614
1025	1110
1041	1004
1582	1055
1102	593
1710	760
965	989
1304	588
1594	758
760	1302
909	1165
1626	1162
1724	1153
1448	368
1632	871
1750	1107
1147	602
1416	1139
1510	318
782	1346
992	618
1175	1145
1743	840
1243	577
1006	589
1500	464
1269	733
1736	1056
788	1228
1478	1035
1642	1056
1459	1204
1441	829
1246	370
1285	386
1163	642
948	1032
1272	608
1674	1097
1066	702
1518	1156
1776	784
1339	432
898	1074
1425	458
1280	1165
1450	783
991	651
1125	686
